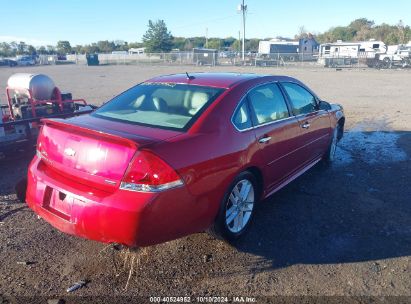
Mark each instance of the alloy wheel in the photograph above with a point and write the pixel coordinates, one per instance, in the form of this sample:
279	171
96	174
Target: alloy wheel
240	205
333	146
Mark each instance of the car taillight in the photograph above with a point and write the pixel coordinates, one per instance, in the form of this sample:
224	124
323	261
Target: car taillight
149	173
40	149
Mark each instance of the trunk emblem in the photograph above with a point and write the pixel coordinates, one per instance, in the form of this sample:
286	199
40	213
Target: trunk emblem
110	182
69	152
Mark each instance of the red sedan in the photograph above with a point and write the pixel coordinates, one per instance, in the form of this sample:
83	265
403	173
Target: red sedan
179	154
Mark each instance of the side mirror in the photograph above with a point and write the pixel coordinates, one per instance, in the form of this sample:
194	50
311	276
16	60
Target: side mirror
323	105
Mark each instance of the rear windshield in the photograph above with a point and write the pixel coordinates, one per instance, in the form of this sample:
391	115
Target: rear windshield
162	105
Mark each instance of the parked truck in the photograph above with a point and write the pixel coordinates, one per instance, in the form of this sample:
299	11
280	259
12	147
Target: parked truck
396	56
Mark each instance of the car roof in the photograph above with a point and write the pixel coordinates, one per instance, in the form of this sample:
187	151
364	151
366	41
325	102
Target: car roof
220	80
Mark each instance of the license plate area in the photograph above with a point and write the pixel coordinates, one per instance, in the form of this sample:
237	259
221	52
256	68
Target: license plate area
58	203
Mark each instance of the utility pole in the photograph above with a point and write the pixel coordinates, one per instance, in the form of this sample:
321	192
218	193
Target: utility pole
243	8
206	38
239	39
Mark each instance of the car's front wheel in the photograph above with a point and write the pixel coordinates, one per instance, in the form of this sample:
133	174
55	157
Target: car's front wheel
237	208
330	154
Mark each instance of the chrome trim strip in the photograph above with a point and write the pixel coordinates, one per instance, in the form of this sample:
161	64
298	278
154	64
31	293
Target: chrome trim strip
262	125
110	182
305	125
311	113
264	139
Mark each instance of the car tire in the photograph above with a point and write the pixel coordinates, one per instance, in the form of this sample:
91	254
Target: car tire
387	63
329	156
236	209
21	188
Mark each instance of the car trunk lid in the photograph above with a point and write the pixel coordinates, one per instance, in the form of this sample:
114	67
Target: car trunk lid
98	158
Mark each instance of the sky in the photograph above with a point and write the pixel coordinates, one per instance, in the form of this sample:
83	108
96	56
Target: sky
43	22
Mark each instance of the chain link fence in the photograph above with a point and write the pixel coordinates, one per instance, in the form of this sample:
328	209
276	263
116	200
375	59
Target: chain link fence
358	60
284	60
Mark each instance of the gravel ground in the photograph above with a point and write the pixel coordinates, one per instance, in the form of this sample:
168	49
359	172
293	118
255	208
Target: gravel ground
338	231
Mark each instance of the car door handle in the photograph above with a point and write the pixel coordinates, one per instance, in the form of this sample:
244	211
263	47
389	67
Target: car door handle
264	139
305	125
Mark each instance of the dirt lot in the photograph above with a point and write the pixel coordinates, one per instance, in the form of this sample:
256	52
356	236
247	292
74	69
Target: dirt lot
343	230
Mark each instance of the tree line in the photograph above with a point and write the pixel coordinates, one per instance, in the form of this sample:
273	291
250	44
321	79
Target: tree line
159	39
363	29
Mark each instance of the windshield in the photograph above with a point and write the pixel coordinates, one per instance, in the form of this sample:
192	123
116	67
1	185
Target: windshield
163	105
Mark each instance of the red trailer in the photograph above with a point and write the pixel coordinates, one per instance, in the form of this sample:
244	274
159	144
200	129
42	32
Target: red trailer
31	97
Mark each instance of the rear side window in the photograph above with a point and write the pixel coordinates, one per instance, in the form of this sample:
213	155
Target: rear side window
268	104
241	118
303	102
163	105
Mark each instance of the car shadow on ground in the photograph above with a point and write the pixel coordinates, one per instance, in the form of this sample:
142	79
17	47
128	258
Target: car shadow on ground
13	170
356	210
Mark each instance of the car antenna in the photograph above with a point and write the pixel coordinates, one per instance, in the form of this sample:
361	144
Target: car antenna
190	77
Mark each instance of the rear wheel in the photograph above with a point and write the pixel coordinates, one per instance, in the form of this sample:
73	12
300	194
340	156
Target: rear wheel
21	188
387	62
237	208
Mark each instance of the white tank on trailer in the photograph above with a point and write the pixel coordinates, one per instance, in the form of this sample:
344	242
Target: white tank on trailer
41	86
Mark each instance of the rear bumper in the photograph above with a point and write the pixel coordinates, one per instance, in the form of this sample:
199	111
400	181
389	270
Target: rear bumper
126	217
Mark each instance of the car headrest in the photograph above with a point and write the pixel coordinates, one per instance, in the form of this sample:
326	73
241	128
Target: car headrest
243	116
198	100
160	104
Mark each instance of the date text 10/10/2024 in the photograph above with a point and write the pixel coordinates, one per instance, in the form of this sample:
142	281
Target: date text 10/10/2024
208	299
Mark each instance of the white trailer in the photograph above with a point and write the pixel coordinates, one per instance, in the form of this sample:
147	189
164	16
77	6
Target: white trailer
338	53
348	53
138	51
373	47
277	46
264	47
276	52
339	49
